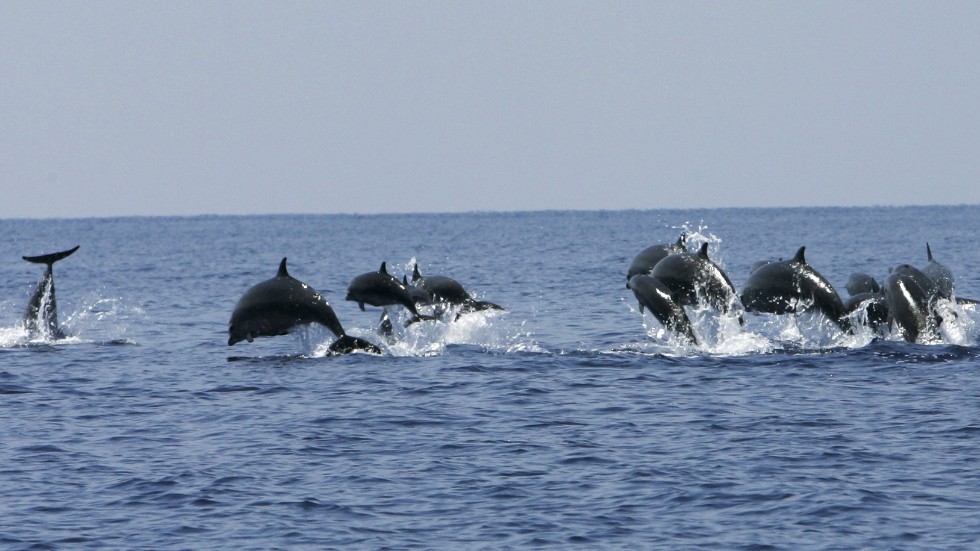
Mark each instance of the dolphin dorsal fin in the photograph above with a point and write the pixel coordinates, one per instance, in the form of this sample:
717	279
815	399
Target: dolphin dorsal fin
703	253
799	256
681	239
282	269
384	268
416	274
405	280
928	251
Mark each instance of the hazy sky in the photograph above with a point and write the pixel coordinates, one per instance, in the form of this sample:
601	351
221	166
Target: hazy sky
131	108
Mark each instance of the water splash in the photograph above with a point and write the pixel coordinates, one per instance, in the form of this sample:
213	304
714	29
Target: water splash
96	320
488	329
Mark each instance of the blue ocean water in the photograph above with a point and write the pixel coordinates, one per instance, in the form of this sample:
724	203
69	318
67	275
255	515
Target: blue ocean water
569	420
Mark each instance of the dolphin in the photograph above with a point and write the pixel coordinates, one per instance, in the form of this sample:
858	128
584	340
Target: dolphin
382	289
420	296
693	278
41	316
787	286
859	283
928	285
645	260
939	273
448	290
874	305
652	294
910	307
276	306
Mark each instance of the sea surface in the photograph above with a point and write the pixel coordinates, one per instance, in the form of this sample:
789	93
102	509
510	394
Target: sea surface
569	420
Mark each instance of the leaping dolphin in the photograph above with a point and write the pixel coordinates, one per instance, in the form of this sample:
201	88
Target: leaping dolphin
448	290
939	273
789	286
645	260
41	317
276	306
382	289
693	279
910	307
655	296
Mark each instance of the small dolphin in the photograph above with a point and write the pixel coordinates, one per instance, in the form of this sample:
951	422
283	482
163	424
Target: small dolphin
420	296
874	305
381	289
784	287
859	283
655	296
276	306
645	260
448	290
41	316
694	279
939	273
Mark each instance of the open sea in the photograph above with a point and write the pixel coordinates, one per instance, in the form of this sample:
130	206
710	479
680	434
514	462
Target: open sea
569	420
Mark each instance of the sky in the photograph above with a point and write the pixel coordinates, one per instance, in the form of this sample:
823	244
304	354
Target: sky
120	108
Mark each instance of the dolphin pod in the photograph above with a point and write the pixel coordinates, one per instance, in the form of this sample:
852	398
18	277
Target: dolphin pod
906	300
664	279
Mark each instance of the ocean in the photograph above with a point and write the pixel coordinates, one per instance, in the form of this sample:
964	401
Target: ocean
569	420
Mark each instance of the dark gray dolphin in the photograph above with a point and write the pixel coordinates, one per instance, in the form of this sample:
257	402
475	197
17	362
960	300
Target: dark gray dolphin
693	278
276	306
653	295
448	290
926	283
420	296
645	260
41	316
910	307
788	285
939	273
382	289
874	305
859	283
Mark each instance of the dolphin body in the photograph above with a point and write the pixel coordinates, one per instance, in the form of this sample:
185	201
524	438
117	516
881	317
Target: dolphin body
645	260
420	296
939	273
788	285
41	316
278	305
910	307
693	278
653	295
859	283
382	289
448	290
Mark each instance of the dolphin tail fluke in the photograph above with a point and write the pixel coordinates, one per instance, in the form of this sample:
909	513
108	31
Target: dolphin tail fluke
346	344
50	259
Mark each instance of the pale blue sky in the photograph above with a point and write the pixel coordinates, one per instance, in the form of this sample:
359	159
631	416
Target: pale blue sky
155	108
